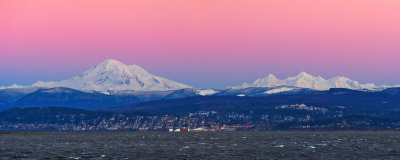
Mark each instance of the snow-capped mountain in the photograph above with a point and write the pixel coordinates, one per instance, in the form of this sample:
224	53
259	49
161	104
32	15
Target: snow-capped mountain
112	75
305	80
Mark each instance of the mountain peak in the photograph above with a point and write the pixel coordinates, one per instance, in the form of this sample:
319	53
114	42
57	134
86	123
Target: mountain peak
268	81
116	67
304	74
271	76
111	61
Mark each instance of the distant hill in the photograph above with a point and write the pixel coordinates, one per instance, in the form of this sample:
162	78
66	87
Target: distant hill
334	97
66	97
132	100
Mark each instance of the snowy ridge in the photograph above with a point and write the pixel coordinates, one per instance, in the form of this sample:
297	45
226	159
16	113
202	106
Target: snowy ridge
12	86
305	80
113	75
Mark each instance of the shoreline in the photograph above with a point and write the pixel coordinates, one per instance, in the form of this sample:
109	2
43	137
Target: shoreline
275	131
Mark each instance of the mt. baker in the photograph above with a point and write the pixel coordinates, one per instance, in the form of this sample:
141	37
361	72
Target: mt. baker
114	75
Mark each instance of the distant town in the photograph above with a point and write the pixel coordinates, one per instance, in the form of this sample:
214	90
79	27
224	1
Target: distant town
283	117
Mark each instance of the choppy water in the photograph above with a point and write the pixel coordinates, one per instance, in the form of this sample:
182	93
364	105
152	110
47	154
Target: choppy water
201	145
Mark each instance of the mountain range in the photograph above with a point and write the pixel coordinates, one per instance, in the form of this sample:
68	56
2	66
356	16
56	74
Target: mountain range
113	83
114	76
305	80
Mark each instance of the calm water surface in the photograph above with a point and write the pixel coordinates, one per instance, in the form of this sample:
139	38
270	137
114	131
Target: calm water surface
201	145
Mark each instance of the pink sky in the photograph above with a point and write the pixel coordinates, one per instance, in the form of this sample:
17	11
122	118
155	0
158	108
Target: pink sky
203	43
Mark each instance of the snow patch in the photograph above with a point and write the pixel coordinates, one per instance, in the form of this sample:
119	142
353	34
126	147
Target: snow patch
206	92
278	90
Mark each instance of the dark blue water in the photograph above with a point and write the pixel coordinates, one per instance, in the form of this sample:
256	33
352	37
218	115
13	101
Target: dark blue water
201	145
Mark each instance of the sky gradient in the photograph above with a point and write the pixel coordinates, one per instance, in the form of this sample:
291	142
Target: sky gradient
205	44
